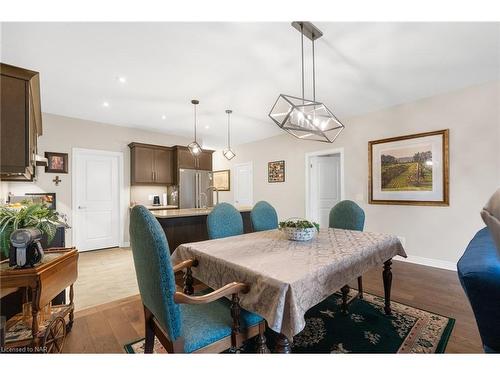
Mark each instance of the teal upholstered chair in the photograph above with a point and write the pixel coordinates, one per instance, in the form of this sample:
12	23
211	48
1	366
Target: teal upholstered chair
184	323
264	217
348	215
224	221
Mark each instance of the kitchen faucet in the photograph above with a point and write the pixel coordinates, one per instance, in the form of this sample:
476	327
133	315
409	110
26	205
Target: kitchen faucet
216	191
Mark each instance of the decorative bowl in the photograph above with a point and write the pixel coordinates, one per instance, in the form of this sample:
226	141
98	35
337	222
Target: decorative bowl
300	234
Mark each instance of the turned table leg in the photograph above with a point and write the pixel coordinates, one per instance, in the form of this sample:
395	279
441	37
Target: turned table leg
360	287
261	339
345	294
72	312
188	282
283	345
387	277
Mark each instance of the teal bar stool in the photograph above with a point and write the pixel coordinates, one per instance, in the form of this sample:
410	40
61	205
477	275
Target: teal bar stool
224	221
264	217
184	323
348	215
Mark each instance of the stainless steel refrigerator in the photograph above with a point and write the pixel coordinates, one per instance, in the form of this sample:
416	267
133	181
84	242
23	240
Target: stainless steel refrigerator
193	185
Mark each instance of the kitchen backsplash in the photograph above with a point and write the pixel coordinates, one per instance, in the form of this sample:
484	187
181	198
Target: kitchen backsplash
144	194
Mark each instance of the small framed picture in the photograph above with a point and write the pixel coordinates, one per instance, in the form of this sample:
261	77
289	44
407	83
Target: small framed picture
276	171
222	179
409	170
57	162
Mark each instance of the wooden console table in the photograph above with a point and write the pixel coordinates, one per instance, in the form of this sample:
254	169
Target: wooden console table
57	271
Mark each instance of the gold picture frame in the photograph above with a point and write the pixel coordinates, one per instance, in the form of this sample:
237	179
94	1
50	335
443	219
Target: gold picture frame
410	170
222	179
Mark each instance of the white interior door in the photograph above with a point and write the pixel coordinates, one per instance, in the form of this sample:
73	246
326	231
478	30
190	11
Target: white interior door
96	201
243	184
325	186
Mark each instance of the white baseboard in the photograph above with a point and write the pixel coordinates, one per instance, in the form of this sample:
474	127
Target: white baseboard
437	263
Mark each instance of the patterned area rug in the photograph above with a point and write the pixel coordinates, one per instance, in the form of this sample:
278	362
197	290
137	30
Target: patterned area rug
366	329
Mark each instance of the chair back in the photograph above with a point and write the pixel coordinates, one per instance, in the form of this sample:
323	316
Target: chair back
264	217
154	271
347	215
224	221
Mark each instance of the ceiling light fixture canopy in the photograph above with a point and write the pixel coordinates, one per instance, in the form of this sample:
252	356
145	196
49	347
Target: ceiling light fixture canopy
227	152
305	118
194	147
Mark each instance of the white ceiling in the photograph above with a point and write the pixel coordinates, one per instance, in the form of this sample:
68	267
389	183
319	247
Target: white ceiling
361	67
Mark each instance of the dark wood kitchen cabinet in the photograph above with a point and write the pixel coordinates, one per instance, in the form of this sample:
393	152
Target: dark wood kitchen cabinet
20	122
184	159
151	165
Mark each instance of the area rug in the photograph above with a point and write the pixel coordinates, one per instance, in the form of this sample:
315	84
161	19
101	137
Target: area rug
365	329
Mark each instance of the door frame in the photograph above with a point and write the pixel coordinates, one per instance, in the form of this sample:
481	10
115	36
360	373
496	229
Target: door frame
308	156
122	203
235	180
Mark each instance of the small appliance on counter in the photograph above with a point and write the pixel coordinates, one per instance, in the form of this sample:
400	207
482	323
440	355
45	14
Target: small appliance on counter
25	247
156	200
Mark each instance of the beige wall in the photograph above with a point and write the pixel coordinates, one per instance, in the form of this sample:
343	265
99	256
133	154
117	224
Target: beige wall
437	233
61	134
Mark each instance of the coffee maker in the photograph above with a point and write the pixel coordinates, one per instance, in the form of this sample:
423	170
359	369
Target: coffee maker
156	200
25	248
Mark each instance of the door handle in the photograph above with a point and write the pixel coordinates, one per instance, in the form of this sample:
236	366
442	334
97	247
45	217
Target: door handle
81	207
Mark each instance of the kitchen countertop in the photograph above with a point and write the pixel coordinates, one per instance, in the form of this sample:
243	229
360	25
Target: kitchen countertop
184	212
162	207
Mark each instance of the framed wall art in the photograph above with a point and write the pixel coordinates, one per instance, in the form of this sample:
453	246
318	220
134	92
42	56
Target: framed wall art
276	171
222	180
409	170
57	162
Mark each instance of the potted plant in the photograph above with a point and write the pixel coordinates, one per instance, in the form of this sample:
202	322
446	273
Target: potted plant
26	214
298	229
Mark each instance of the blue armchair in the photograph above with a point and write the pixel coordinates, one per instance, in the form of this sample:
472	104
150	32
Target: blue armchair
184	323
264	217
479	274
224	221
348	215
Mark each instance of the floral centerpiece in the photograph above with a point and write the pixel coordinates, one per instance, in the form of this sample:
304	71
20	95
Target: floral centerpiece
298	229
26	214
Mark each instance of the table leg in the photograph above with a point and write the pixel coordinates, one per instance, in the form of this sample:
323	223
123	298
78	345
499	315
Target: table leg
345	294
34	316
72	312
360	287
283	345
387	277
261	339
188	282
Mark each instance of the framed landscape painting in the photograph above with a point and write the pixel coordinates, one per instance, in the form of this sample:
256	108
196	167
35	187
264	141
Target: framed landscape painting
409	170
222	179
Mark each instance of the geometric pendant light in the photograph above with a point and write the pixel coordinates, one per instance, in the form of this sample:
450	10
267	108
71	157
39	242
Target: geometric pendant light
194	147
228	153
305	118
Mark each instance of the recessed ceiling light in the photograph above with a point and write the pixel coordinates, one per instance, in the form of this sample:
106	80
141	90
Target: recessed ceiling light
105	104
122	79
163	117
207	126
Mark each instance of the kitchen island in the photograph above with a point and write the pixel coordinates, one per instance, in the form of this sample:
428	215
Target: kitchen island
190	224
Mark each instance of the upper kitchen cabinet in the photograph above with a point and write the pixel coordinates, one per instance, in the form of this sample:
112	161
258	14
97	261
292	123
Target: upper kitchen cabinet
20	122
184	159
151	165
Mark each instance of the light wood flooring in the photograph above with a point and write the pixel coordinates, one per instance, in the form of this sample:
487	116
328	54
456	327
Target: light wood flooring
108	327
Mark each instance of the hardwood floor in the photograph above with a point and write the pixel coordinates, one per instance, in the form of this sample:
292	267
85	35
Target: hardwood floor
106	328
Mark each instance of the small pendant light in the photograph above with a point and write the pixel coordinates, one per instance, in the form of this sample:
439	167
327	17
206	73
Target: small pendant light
228	153
194	147
301	117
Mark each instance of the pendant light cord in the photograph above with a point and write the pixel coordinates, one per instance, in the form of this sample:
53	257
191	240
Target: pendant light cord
314	71
195	122
228	132
302	48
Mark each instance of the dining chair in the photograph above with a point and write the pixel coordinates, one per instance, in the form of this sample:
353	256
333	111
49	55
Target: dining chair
264	217
185	323
348	215
224	221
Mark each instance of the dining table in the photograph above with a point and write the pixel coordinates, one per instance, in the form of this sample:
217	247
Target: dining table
286	278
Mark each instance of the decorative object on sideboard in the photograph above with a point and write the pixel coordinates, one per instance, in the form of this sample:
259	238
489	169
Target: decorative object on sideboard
48	198
301	117
194	147
56	180
222	180
409	170
276	171
57	162
228	152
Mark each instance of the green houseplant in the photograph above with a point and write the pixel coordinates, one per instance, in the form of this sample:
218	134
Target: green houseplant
26	214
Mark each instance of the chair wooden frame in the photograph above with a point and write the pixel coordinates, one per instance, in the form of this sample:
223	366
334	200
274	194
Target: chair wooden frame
235	340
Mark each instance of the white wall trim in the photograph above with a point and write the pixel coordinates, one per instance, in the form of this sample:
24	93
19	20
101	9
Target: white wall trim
122	197
436	263
308	155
